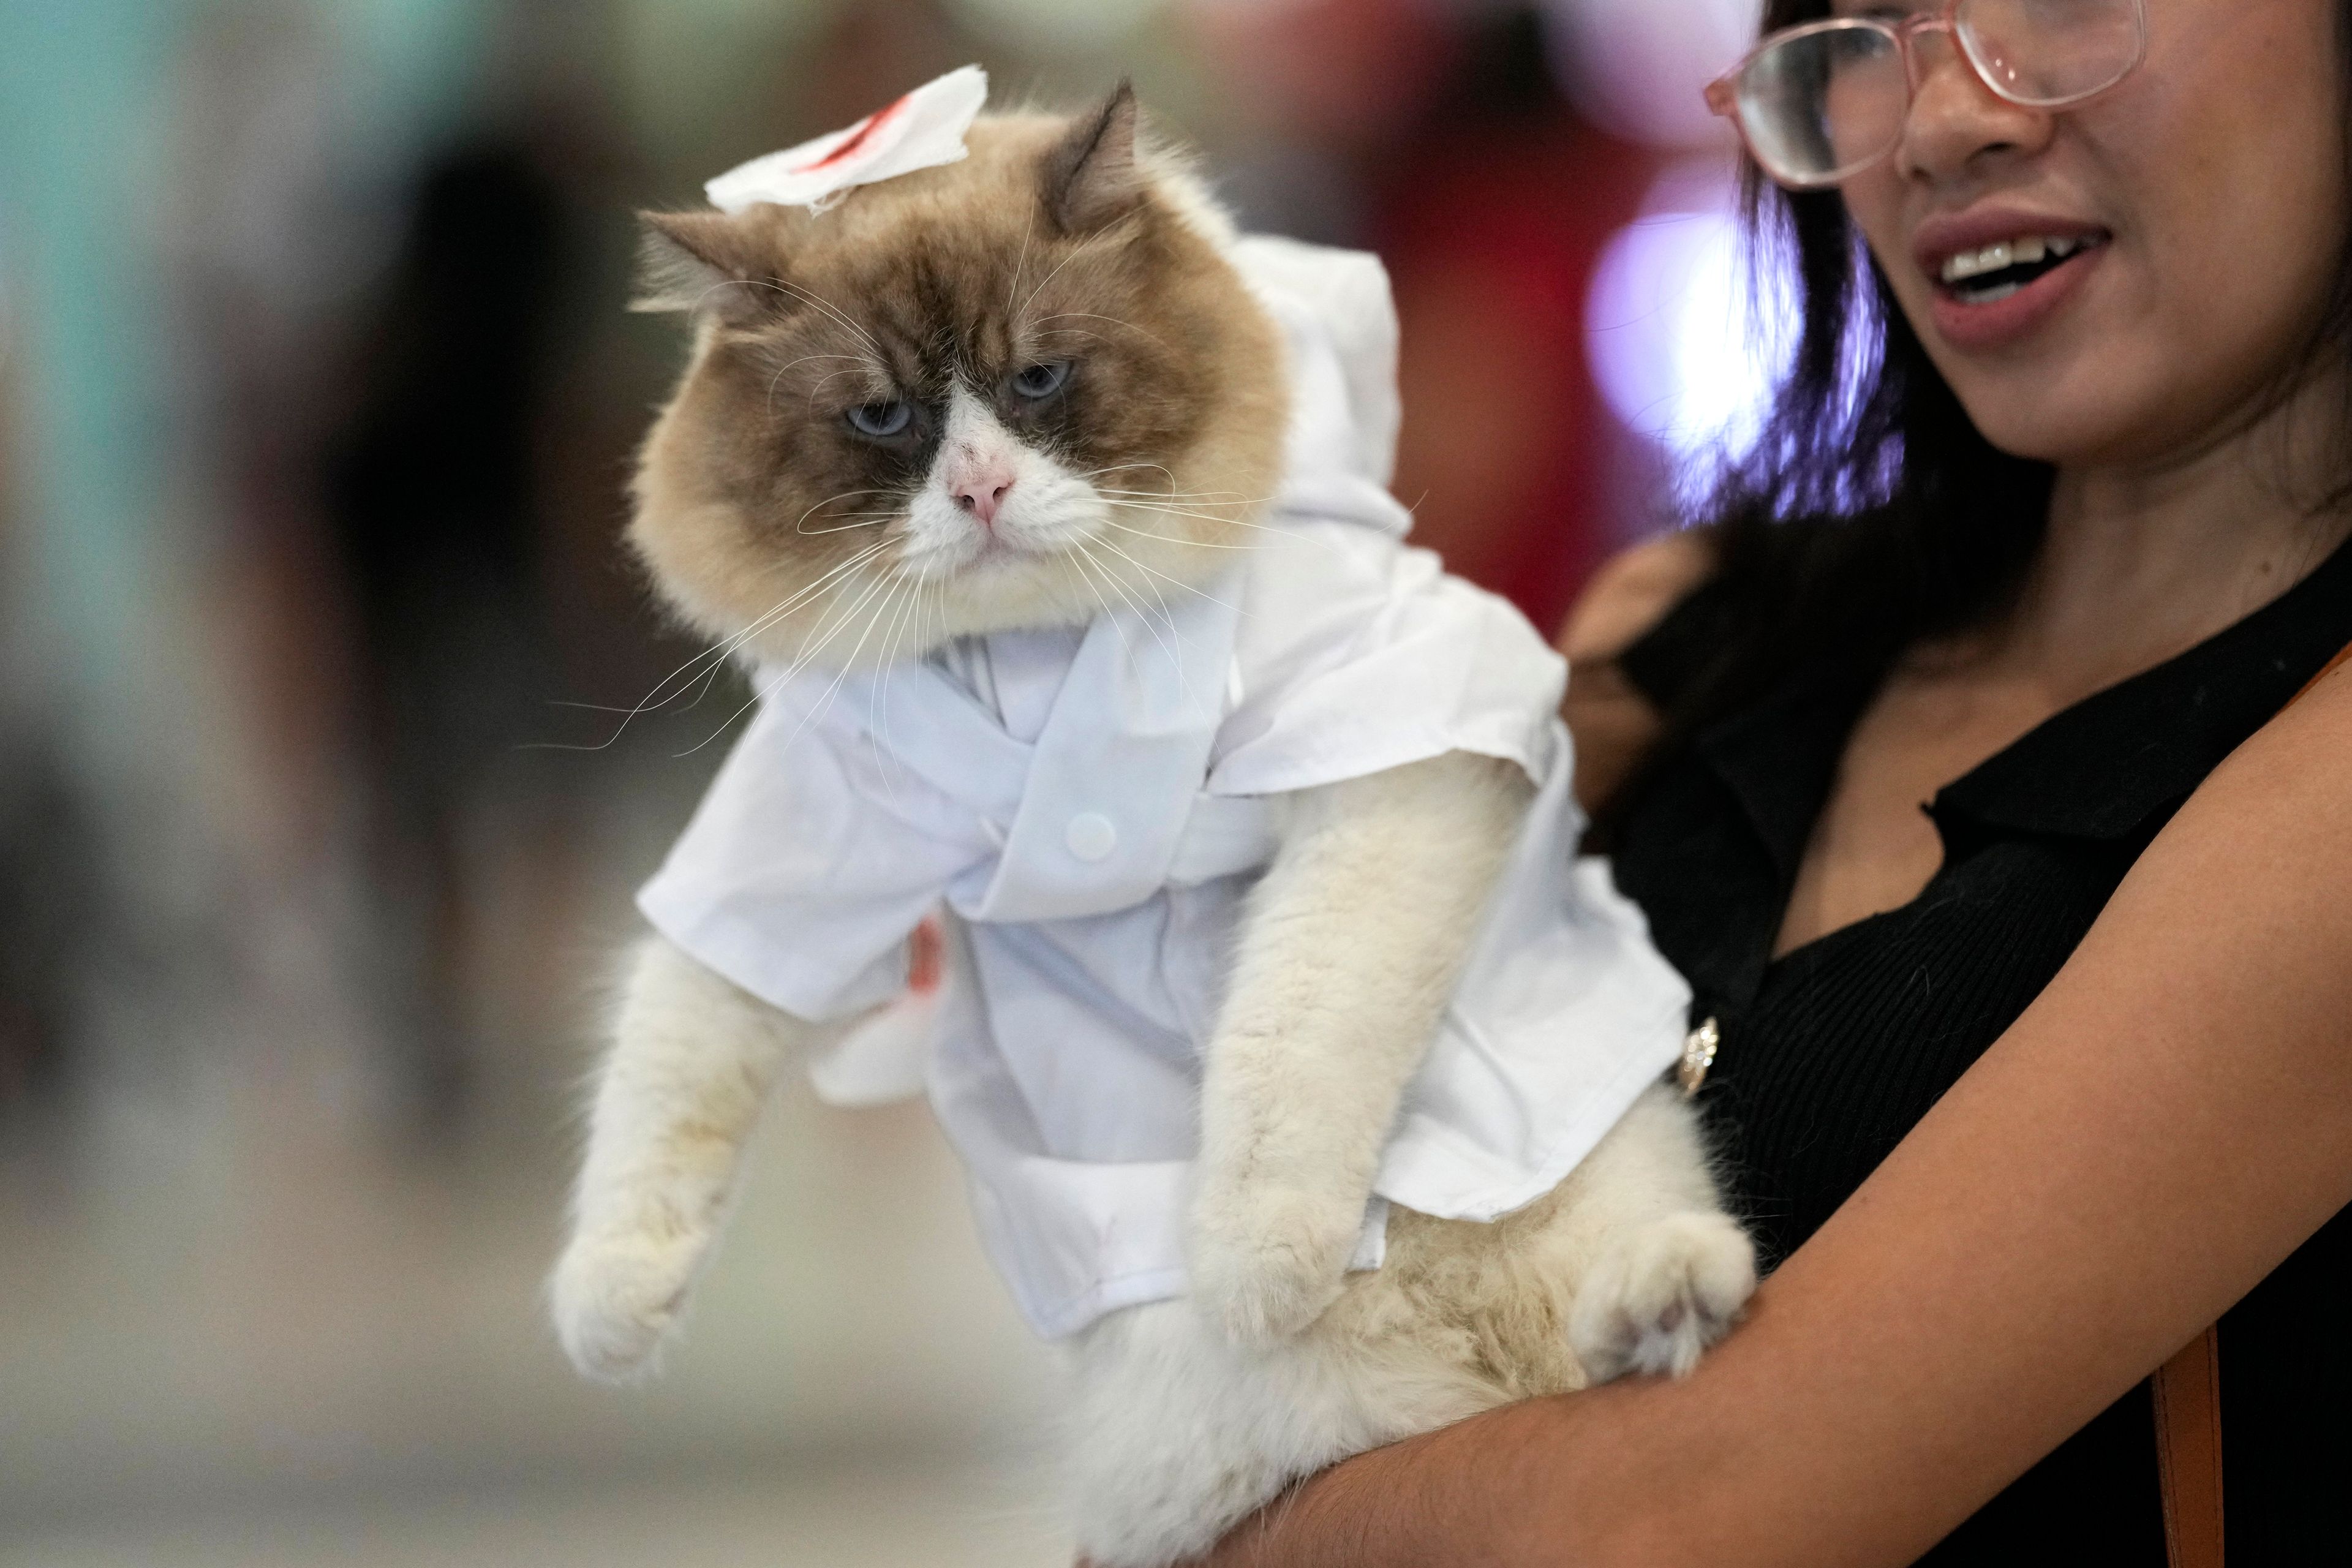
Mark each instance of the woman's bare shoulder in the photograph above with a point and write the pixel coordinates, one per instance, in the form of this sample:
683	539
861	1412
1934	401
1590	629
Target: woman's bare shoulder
1611	722
1633	591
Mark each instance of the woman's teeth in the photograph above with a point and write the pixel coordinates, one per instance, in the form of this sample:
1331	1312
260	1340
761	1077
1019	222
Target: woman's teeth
2033	250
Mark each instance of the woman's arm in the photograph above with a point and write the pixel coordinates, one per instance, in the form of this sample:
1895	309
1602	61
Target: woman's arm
2163	1126
1613	722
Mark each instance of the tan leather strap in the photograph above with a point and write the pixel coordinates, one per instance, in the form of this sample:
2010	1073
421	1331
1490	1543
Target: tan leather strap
2188	1389
2189	1451
2333	665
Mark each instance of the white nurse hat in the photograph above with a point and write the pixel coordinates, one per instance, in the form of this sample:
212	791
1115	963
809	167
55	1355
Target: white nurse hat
920	130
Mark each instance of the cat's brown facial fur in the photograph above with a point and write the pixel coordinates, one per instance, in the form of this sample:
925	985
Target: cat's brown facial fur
1053	242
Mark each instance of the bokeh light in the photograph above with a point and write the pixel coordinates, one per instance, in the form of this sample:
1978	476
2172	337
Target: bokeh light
1640	68
1687	345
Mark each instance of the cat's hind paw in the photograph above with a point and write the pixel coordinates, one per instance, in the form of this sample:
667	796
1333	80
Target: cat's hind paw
1266	1262
614	1295
1660	1294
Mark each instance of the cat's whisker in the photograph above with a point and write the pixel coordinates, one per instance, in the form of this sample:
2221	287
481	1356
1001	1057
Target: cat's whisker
1091	316
868	366
709	662
1109	615
828	501
794	600
887	517
1200	501
1174	632
897	586
783	609
1082	249
1089	557
863	360
1192	513
912	616
805	595
1160	498
716	659
1073	332
1020	261
788	364
793	291
1198	504
1157	595
700	686
1229	522
1173	539
809	652
1223	498
877	724
1166	616
1231	497
1123	468
1070	561
712	289
1143	614
802	291
1181	509
1112	545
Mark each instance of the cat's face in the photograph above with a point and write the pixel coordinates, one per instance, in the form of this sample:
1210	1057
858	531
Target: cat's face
1012	391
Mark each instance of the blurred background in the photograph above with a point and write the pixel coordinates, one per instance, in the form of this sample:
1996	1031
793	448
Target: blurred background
316	404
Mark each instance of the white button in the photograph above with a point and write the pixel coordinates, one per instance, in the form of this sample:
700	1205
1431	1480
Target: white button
1091	836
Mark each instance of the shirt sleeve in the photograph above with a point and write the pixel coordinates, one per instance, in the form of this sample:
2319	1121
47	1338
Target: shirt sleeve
810	862
1359	655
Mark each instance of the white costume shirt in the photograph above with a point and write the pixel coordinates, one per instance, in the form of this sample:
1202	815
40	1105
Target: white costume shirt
1090	806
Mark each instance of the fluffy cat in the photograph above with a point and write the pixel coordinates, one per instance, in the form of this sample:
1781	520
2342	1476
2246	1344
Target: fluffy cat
962	404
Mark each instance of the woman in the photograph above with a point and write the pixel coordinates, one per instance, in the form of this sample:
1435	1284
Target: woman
2028	1088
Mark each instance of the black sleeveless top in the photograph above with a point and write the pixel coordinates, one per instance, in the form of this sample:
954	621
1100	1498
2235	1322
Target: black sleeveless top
1832	1052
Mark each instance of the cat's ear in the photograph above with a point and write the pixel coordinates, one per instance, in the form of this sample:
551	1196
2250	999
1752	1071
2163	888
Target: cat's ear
713	261
1092	177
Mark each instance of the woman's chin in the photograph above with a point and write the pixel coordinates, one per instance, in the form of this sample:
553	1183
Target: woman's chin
2082	408
2019	433
2069	434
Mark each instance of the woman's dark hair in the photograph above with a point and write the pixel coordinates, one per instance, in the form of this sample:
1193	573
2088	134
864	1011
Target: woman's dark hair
1869	513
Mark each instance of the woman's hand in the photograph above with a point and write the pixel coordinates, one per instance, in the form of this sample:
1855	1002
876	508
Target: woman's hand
2161	1128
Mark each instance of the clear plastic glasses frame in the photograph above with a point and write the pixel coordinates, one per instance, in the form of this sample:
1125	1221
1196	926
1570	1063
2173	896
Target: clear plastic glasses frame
1789	76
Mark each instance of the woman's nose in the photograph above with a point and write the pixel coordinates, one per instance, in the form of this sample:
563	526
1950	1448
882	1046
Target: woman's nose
1958	125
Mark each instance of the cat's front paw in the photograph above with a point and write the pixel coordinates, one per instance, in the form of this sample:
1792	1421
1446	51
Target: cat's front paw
1660	1294
616	1293
1267	1261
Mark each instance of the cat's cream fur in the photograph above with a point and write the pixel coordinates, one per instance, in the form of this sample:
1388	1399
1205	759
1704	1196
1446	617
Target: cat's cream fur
1189	1412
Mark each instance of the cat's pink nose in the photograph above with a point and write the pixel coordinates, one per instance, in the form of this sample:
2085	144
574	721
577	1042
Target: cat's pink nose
981	492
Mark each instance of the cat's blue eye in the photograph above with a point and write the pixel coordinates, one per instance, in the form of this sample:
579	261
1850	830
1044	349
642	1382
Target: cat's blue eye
882	420
1041	380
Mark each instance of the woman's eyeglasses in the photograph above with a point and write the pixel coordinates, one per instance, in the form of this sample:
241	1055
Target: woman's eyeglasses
1820	103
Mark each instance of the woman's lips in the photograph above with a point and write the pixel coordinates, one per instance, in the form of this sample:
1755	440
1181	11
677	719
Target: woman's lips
2004	321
